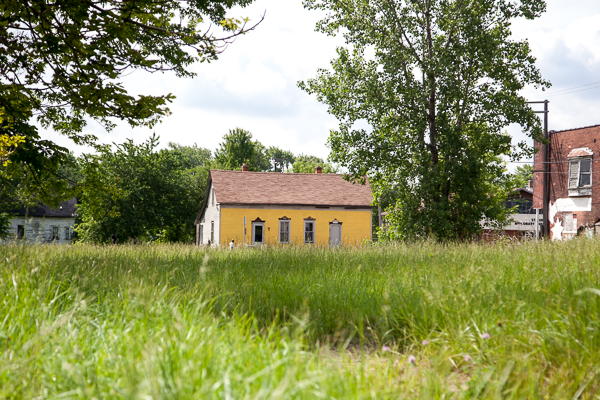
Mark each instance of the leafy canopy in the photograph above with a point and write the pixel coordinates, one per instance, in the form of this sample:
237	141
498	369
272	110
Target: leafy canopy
138	193
62	62
238	148
436	81
306	164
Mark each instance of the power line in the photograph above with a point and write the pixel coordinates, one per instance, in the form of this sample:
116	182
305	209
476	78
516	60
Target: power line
573	90
575	87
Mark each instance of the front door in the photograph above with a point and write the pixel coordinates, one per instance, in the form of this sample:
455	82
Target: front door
258	233
335	234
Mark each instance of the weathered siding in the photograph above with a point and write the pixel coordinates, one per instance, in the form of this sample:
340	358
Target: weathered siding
356	223
40	229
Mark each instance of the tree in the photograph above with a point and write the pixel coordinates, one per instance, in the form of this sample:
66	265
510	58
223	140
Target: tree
307	164
61	65
138	193
522	175
437	81
238	148
192	156
280	158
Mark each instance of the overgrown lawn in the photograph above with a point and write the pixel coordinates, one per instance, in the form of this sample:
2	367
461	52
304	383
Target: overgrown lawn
407	321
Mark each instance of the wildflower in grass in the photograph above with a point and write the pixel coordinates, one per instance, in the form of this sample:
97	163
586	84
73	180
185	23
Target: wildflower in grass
468	358
412	359
425	342
385	348
485	335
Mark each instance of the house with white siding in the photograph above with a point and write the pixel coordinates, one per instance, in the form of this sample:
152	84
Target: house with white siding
43	224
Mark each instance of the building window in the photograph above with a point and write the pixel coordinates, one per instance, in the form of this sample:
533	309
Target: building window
212	231
580	173
258	233
284	230
201	234
55	234
67	233
20	231
36	227
212	196
309	231
525	206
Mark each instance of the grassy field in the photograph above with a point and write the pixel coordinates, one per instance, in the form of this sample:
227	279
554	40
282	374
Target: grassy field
409	321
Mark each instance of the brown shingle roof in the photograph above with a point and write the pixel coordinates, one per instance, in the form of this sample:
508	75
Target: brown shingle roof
237	187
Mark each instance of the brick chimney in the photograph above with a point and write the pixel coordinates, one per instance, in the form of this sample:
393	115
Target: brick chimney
245	167
318	169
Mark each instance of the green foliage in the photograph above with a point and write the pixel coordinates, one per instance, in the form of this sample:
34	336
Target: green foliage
62	64
306	165
4	225
522	175
179	322
193	156
437	82
238	148
139	194
280	159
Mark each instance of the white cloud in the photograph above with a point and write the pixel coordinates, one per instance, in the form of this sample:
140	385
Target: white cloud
254	83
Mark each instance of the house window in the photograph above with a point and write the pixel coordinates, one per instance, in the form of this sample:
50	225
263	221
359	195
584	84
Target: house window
55	234
284	230
212	196
258	232
309	231
580	173
212	231
36	227
67	233
201	234
20	231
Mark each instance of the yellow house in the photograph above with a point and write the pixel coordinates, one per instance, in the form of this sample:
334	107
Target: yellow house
254	208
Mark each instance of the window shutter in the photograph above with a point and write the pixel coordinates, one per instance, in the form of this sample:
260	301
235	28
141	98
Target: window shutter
573	174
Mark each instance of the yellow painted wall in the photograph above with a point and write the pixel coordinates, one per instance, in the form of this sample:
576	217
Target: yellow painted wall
356	225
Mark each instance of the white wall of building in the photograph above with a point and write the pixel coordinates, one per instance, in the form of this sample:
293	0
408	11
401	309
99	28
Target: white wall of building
43	229
212	216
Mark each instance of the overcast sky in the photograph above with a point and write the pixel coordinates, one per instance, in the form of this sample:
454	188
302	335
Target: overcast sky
253	85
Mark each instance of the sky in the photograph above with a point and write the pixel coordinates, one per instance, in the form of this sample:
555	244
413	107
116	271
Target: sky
253	85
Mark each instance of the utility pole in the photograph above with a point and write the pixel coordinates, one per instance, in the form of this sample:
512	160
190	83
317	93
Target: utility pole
545	172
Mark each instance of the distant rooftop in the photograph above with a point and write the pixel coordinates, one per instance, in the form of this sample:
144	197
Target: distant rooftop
244	187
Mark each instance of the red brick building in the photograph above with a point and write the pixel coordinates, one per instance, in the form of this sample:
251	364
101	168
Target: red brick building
573	182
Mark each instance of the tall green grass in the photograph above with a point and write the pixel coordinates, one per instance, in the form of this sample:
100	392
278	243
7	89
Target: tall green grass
180	322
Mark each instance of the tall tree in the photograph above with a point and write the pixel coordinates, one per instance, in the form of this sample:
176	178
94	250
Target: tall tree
238	148
280	159
61	64
305	164
522	175
437	81
192	156
138	193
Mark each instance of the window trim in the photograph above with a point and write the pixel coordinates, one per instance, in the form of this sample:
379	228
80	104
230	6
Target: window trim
55	232
67	232
336	223
289	229
577	189
212	232
20	232
254	225
310	220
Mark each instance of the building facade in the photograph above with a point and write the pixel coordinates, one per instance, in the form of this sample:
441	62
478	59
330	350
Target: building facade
573	188
255	208
43	224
